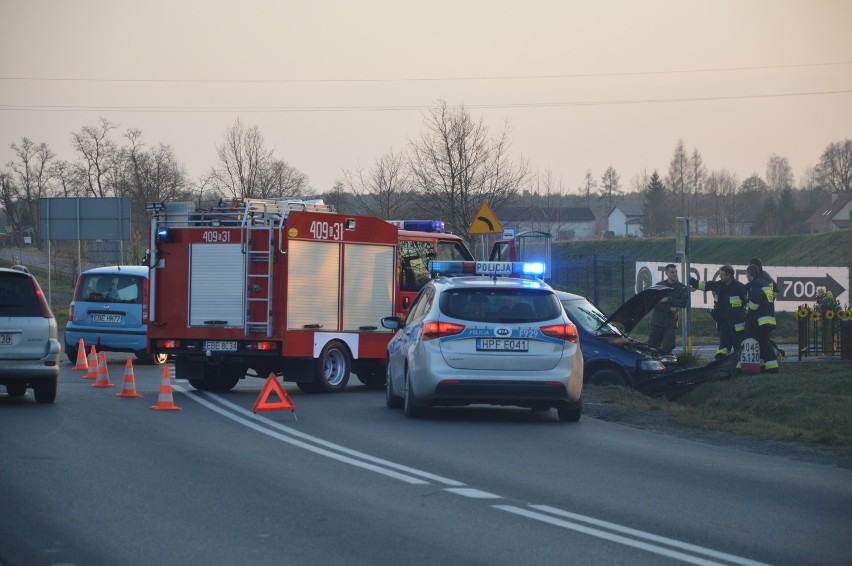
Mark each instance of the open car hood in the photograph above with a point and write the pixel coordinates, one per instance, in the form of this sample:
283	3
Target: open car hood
636	307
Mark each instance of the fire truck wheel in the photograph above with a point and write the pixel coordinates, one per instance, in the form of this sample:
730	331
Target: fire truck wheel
331	369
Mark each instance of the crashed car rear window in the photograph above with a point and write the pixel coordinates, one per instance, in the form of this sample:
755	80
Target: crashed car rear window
500	305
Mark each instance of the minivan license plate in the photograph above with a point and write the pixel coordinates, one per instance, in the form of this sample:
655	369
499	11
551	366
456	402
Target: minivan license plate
502	345
220	346
112	318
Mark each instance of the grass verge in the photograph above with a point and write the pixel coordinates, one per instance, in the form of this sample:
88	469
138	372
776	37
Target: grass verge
808	402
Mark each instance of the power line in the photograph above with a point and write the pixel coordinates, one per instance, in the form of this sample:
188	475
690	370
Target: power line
429	79
394	108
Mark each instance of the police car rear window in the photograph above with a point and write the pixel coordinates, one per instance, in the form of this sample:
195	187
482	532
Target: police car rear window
500	305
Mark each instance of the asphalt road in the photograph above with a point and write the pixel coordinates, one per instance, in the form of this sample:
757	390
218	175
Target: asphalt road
96	479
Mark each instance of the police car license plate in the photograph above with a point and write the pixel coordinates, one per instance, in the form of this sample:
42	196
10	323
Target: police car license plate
5	339
220	346
501	345
111	318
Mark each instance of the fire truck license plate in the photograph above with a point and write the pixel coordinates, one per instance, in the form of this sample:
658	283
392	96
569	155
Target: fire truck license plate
220	346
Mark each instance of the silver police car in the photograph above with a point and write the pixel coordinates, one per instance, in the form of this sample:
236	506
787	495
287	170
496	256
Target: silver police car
485	333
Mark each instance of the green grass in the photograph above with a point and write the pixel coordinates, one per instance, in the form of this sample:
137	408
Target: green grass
808	402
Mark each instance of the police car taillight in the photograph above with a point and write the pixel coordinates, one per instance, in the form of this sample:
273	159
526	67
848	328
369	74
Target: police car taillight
432	329
567	332
495	268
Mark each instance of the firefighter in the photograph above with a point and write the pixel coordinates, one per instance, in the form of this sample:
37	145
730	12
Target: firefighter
760	316
729	298
665	314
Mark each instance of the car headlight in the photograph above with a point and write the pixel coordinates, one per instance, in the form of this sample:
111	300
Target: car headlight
651	365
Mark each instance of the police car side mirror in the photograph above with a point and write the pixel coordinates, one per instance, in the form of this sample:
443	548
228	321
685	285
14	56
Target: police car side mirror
391	322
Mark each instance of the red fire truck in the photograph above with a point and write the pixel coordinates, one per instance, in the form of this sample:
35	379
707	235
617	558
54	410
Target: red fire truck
281	286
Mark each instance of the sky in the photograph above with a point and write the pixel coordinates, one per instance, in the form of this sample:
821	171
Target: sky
334	85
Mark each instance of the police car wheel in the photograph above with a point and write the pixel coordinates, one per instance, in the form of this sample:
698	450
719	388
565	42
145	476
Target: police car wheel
71	353
331	369
570	412
410	407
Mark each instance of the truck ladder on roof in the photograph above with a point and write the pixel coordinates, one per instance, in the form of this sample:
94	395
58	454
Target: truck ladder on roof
263	218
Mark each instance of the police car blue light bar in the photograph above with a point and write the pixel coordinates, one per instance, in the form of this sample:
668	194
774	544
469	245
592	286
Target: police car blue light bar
419	225
487	267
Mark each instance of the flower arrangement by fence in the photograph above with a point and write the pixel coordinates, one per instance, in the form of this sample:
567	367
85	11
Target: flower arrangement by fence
818	328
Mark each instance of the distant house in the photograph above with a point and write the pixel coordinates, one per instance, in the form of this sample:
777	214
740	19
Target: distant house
564	223
834	217
625	220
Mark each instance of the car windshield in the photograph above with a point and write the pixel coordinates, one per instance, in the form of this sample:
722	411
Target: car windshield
111	288
585	314
500	305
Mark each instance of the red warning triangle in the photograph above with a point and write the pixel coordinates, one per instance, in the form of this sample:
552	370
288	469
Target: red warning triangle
263	403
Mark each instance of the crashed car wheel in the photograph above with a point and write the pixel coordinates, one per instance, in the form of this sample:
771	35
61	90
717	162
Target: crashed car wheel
607	378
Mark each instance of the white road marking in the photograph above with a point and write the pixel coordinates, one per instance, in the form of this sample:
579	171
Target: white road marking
649	547
414	476
472	493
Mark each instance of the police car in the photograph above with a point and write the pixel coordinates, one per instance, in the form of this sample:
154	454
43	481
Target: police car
485	333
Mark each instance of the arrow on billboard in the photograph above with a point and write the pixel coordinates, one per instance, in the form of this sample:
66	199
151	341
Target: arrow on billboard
804	288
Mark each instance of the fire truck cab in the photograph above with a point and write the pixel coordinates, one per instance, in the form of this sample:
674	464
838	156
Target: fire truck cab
271	286
421	241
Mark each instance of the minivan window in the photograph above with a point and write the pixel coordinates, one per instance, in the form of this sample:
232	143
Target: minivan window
500	305
18	296
111	288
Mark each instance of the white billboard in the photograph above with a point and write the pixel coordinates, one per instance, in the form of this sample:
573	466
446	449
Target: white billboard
796	285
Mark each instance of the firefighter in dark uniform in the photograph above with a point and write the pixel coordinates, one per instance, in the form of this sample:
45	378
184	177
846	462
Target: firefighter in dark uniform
666	313
760	316
730	297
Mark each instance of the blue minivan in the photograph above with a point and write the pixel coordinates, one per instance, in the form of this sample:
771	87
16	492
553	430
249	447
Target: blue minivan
110	311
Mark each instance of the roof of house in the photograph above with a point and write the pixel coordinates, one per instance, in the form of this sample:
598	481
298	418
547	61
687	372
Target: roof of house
537	214
827	214
628	209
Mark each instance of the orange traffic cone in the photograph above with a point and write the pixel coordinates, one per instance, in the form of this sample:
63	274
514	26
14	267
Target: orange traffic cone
81	356
129	387
93	364
165	401
103	374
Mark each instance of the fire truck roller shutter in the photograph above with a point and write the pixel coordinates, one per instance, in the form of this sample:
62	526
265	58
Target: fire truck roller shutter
313	285
215	268
368	279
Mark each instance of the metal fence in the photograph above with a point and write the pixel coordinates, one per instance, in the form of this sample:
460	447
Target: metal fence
824	334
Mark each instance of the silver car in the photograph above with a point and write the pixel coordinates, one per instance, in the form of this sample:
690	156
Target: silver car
482	333
29	344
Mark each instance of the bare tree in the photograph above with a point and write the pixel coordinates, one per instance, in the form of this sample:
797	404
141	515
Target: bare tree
589	187
835	167
68	180
457	166
279	180
98	155
384	190
243	157
10	200
610	186
32	168
779	174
